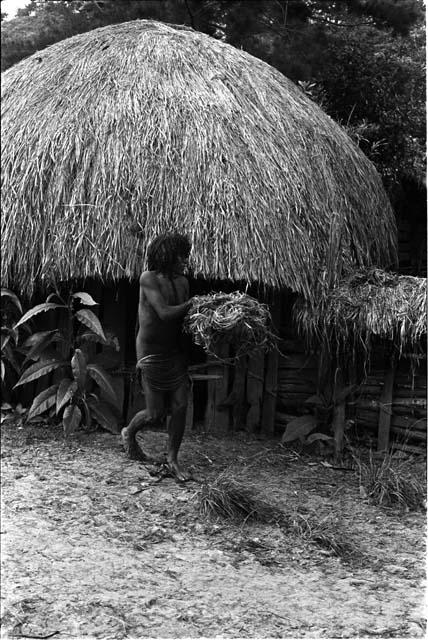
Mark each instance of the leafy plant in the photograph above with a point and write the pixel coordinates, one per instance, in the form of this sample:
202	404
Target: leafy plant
10	357
13	414
302	428
299	428
64	352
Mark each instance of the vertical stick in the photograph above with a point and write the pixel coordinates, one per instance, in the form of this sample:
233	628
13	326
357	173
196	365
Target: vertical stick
271	380
255	379
217	413
238	393
270	391
209	421
385	411
338	422
221	417
324	384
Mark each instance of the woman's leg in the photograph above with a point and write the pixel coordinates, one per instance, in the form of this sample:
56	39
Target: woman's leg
176	428
151	415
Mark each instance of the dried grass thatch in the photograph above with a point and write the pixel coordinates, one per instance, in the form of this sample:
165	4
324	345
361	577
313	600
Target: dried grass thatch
113	136
369	303
235	318
228	497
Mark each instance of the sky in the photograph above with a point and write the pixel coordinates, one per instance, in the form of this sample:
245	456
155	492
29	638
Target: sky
11	6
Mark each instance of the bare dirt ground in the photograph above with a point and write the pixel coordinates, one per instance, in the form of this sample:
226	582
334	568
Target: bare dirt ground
93	546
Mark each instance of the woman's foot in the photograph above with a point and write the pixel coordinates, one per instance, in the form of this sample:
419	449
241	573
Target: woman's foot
178	472
131	447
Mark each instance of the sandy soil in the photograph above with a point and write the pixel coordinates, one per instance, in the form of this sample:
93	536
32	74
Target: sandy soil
93	546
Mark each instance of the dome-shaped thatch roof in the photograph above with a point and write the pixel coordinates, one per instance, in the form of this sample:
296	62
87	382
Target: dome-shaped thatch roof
146	126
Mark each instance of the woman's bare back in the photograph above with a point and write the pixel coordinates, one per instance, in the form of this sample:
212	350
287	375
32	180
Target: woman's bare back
159	333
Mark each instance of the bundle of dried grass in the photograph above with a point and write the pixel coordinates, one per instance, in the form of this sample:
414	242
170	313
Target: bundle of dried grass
235	318
124	132
227	497
369	303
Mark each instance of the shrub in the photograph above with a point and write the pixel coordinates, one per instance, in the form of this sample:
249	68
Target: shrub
11	357
390	481
65	351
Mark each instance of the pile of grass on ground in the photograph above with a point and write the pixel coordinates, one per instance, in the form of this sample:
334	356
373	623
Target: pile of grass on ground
229	498
328	534
226	497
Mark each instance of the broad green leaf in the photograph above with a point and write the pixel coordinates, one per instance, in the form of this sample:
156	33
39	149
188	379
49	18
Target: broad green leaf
87	419
299	428
71	419
4	340
3	371
38	342
90	336
13	297
66	390
102	379
85	298
89	319
37	337
315	400
78	367
40	308
318	436
43	401
10	357
38	370
104	415
7	333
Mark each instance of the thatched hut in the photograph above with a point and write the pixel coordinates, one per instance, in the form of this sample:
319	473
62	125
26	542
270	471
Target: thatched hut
115	135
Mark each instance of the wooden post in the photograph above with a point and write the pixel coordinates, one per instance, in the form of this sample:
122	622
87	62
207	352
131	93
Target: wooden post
239	408
270	391
216	413
324	384
221	391
338	422
271	380
385	411
255	379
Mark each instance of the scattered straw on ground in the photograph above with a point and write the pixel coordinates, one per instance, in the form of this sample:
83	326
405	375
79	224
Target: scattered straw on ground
94	547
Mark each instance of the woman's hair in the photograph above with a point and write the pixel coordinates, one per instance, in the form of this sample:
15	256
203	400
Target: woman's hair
164	250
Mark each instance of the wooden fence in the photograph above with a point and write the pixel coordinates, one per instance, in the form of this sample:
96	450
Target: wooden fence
261	393
392	405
